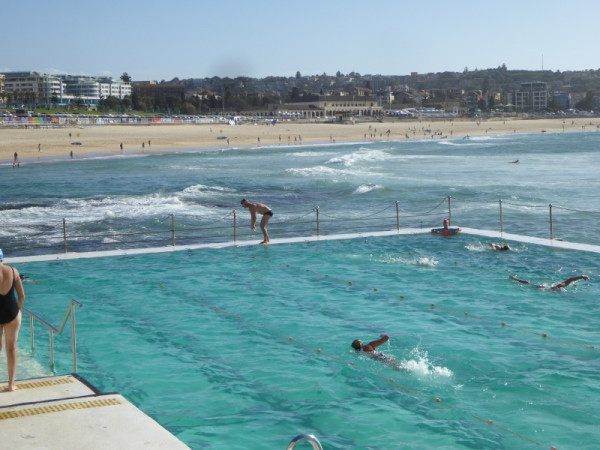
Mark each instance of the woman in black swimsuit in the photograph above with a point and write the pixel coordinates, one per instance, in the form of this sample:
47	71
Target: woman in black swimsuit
12	297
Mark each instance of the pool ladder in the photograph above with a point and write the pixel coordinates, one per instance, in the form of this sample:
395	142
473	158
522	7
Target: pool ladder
52	330
316	445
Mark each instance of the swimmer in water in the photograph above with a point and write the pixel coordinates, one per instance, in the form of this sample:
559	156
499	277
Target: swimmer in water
369	350
556	287
504	247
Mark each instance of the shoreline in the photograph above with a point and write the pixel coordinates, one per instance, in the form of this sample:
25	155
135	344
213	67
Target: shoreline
34	145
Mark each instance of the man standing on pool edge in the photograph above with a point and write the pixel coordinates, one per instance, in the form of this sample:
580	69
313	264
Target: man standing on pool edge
266	212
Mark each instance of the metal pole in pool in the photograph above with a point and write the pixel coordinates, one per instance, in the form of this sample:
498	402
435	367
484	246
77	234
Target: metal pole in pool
397	216
551	231
234	226
173	230
65	234
501	222
449	211
318	225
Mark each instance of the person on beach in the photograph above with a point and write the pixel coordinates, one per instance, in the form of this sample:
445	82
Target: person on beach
504	247
369	349
12	298
259	208
556	287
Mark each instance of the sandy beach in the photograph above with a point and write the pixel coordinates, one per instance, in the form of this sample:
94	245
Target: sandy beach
42	143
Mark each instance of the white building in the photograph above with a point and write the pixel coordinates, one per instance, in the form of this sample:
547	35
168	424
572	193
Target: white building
35	88
32	87
90	90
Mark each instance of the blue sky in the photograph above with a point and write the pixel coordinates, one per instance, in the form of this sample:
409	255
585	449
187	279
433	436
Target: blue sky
156	40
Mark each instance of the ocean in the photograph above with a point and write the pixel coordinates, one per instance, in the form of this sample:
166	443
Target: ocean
246	347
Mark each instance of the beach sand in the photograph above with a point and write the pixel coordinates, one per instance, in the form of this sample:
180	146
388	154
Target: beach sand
34	144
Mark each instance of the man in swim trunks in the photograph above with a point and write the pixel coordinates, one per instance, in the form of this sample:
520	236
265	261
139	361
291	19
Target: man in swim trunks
10	315
445	230
556	287
259	208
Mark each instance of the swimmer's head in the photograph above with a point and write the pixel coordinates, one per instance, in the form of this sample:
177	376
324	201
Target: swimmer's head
357	344
243	202
446	222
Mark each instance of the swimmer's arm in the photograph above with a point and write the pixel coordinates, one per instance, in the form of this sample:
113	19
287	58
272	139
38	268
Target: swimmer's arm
378	342
519	280
570	280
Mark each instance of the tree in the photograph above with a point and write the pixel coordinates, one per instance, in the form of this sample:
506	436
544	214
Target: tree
481	104
586	104
77	102
125	77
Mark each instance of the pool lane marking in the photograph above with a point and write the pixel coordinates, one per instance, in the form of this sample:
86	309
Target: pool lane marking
504	324
433	305
391	380
289	338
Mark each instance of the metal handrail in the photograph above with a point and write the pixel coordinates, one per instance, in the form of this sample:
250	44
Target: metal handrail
52	330
316	445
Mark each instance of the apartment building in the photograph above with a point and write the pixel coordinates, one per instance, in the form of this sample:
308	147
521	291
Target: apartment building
532	96
31	87
39	89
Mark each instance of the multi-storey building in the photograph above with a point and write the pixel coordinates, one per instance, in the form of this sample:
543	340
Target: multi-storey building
32	87
532	96
36	88
90	90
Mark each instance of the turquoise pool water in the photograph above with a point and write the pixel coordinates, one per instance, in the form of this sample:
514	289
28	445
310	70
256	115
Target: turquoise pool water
248	374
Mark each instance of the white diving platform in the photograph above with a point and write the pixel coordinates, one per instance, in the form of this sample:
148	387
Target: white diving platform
555	243
62	412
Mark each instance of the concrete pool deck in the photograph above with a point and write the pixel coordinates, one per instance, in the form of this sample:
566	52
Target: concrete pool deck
65	411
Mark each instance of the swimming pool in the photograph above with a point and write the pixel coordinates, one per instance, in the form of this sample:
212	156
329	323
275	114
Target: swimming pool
245	347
